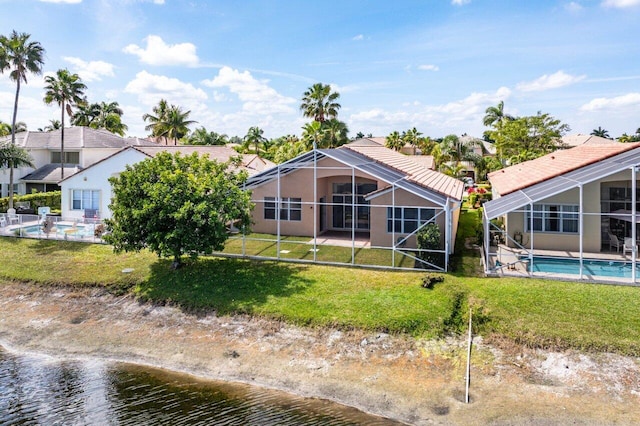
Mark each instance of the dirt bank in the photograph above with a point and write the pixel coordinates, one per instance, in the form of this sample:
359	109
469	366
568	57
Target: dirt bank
419	382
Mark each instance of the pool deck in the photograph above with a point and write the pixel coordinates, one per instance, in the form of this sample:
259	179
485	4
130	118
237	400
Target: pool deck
63	229
508	261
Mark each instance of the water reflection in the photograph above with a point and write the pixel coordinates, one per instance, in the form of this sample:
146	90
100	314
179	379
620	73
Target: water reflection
37	390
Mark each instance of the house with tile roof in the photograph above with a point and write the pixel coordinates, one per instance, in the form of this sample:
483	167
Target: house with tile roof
89	190
360	191
571	213
84	146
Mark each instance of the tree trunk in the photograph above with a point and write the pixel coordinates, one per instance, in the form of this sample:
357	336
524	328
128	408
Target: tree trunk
13	142
62	143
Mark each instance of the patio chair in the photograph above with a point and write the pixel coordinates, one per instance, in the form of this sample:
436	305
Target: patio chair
614	242
3	221
13	217
629	244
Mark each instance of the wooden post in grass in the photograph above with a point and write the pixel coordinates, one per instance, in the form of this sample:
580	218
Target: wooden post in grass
468	375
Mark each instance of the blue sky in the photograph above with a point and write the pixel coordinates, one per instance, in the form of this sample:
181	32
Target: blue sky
431	64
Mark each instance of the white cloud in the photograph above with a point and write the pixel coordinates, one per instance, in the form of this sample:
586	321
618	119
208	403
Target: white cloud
619	102
358	37
464	115
151	88
573	7
158	52
257	96
460	2
620	4
553	81
91	71
428	67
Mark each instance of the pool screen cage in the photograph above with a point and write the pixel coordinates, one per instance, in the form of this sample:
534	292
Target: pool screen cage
351	244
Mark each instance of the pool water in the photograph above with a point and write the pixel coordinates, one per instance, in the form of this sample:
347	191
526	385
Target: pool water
60	228
597	267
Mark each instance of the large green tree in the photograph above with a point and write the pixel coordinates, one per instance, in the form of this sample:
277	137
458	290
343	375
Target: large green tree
394	141
319	103
526	138
20	57
67	91
335	133
177	205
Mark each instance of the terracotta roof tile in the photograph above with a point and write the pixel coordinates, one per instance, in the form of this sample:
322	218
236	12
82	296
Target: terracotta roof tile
557	163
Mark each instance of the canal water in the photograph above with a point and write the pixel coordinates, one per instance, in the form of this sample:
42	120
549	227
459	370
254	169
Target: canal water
40	390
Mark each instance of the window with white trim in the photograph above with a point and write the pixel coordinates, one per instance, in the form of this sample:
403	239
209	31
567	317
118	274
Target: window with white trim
290	208
82	199
407	219
560	218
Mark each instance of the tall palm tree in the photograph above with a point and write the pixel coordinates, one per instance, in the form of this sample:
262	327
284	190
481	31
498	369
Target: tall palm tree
320	103
495	115
21	57
156	121
177	124
254	137
394	141
601	133
66	90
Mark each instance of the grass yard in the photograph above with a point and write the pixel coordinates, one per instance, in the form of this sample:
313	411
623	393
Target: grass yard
534	312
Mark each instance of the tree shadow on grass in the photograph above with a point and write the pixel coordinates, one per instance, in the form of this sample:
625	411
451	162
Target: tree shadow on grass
227	286
44	247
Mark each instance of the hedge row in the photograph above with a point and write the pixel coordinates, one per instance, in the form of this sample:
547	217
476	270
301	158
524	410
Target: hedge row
39	199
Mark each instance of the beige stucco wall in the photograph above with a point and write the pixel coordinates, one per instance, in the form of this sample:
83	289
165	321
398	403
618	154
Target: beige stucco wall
592	225
299	184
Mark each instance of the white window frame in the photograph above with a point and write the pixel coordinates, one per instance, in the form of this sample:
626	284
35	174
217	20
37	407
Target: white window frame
94	199
407	223
290	208
544	214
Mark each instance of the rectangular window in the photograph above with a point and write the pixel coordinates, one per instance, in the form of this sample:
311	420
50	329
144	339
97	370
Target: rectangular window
553	218
290	208
406	220
82	199
70	157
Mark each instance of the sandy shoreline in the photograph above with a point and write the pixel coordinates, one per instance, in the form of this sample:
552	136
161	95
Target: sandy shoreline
417	382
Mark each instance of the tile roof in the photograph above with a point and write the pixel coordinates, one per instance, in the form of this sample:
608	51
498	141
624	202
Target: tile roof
557	163
579	139
75	138
415	170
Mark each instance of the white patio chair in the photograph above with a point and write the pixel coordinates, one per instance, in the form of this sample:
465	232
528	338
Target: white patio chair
3	221
12	218
629	244
614	241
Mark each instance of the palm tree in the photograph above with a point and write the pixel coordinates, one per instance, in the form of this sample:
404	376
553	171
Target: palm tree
66	90
101	115
394	141
601	133
254	137
201	136
312	135
53	125
319	103
5	128
335	132
176	125
156	121
13	156
21	57
495	115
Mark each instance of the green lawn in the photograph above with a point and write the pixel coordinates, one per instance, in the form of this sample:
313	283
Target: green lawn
535	312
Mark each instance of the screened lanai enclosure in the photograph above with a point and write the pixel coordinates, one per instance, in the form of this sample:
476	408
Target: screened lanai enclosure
579	224
355	205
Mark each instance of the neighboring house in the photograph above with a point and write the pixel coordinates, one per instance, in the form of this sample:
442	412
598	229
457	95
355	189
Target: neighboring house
580	139
89	189
359	188
571	213
83	147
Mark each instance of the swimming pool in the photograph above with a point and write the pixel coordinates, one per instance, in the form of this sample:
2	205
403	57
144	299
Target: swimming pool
61	229
595	267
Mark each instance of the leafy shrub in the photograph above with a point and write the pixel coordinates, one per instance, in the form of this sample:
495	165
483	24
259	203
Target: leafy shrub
39	199
429	280
428	238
